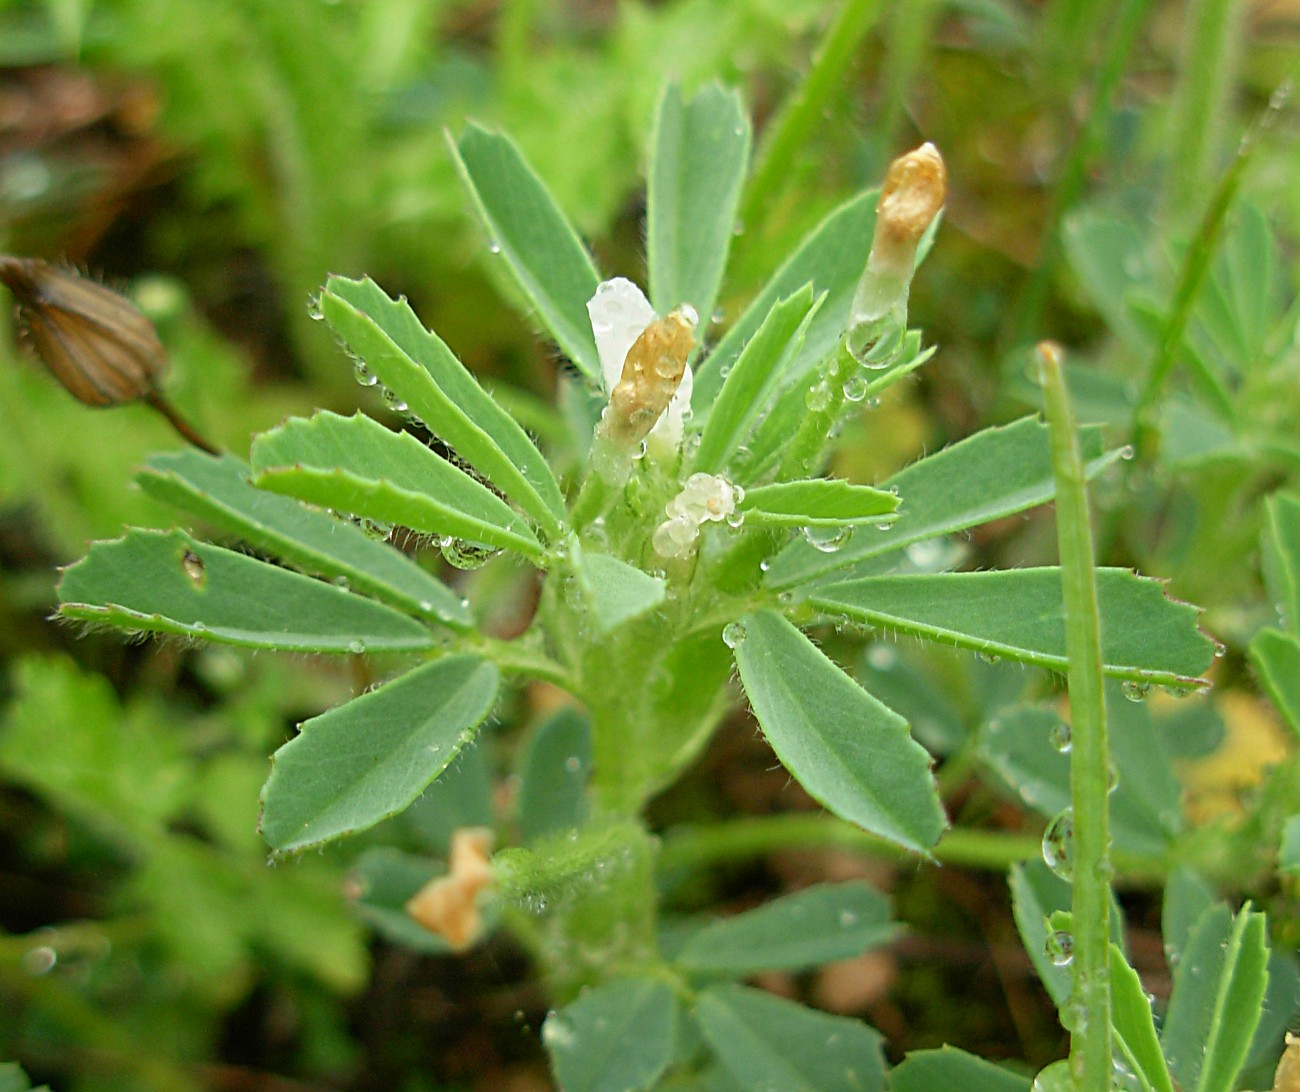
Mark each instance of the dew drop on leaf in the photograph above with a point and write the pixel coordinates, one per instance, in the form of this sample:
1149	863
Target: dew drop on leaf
826	539
1134	690
466	555
1058	845
733	634
855	388
1060	948
1060	737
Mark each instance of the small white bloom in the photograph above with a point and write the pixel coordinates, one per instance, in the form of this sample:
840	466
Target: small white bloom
704	498
619	314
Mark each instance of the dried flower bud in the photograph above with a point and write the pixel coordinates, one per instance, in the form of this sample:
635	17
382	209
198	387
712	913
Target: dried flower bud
652	371
95	341
448	905
915	188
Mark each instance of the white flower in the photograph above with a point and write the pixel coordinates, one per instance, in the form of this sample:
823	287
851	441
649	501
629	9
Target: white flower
705	498
619	314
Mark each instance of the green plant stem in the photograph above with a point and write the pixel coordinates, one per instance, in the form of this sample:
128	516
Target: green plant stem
1089	1021
1205	82
1196	265
517	658
802	113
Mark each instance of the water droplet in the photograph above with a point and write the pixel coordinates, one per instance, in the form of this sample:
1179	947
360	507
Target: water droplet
735	519
818	397
39	961
882	657
356	647
1060	948
313	309
925	554
573	764
363	374
494	247
717	318
394	403
342	582
1058	844
873	343
426	606
848	919
734	634
987	656
1127	452
855	388
1134	690
466	555
1060	737
827	539
764	565
194	568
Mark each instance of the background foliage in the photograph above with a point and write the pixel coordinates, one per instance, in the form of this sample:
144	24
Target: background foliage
221	159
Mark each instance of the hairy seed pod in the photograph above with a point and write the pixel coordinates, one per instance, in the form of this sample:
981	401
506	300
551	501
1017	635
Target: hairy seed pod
94	340
652	372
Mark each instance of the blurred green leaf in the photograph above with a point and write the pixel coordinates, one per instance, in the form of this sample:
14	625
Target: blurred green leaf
356	765
553	775
699	155
951	1070
1276	657
544	254
616	1037
852	754
992	474
218	491
13	1079
767	1042
381	882
166	582
817	925
818	502
1018	614
357	465
417	367
1281	553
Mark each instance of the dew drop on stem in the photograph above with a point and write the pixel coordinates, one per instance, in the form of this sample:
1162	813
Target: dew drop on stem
1060	737
1134	690
734	634
1060	948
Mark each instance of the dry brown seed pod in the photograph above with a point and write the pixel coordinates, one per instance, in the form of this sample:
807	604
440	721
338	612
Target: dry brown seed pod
652	372
95	341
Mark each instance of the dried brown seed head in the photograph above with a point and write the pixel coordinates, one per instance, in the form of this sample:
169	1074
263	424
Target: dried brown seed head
94	340
652	372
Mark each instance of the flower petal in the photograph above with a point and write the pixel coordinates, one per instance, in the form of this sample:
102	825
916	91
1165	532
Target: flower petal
619	313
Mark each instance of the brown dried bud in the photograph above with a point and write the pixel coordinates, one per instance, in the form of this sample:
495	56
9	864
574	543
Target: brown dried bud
94	340
652	371
915	188
1287	1077
447	905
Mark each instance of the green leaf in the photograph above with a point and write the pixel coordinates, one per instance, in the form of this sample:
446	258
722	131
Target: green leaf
831	259
752	382
699	154
543	252
1281	554
417	366
1288	854
853	755
460	797
356	465
767	1042
1276	656
1219	984
553	776
616	1037
218	491
992	474
1186	897
1018	614
951	1070
166	582
814	926
1144	806
365	761
1036	893
616	591
818	502
1134	1025
380	883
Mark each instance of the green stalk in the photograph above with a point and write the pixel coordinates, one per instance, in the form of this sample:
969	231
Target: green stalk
1195	268
1089	1020
1205	84
802	113
911	29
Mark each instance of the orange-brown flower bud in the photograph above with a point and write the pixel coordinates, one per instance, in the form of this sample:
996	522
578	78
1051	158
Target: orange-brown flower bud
95	341
652	371
448	905
915	188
